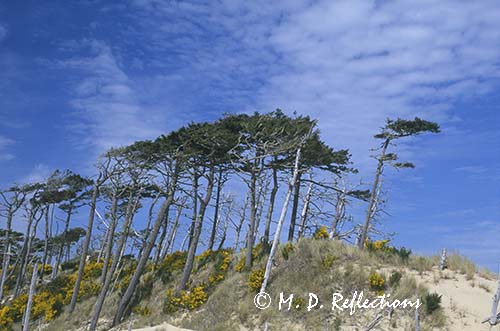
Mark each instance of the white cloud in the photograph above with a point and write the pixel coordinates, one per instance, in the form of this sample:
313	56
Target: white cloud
349	63
108	111
354	63
473	170
39	173
4	143
3	32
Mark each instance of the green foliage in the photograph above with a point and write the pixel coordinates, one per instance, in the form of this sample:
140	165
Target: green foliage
70	265
142	310
172	262
328	261
204	258
404	128
49	300
258	251
221	266
337	324
383	247
403	253
90	285
299	302
394	279
69	237
432	302
287	249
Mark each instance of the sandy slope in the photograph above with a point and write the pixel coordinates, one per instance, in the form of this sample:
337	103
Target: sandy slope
466	302
162	327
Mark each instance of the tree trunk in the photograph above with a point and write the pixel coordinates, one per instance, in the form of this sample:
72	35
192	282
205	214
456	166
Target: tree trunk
226	224
46	242
195	205
159	246
131	208
26	323
261	197
23	256
295	207
61	246
442	261
173	233
110	236
188	267
162	214
216	212
24	265
85	249
240	225
339	214
281	220
6	254
493	320
251	225
369	213
305	210
269	215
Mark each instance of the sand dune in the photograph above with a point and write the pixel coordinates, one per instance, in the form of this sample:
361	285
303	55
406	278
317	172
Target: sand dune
465	302
162	327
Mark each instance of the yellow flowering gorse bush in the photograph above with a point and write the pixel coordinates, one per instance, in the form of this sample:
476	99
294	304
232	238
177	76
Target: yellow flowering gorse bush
377	282
321	233
255	279
186	299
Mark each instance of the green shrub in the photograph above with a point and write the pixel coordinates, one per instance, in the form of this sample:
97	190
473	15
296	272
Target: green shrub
327	261
287	249
70	265
384	247
403	253
172	262
432	302
395	278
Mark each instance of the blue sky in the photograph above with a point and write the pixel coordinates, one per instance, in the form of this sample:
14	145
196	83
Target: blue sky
77	77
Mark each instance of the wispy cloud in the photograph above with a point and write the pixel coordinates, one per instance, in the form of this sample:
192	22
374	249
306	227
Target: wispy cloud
350	63
3	32
39	173
474	170
4	143
108	111
354	63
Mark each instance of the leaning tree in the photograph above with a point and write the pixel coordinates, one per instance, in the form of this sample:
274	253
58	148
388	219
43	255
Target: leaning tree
389	134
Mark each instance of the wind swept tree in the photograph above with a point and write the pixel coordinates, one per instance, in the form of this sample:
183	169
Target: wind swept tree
302	139
165	156
207	149
316	155
97	183
32	212
391	132
129	177
75	191
12	200
262	139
